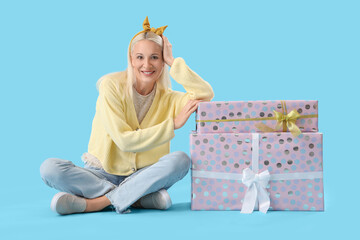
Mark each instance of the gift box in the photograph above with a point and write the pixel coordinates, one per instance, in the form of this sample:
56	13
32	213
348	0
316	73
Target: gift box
247	171
257	116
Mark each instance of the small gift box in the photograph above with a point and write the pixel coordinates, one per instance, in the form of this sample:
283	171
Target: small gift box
246	171
295	116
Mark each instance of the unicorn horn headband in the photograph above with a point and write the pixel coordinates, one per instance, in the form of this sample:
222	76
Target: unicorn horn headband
146	25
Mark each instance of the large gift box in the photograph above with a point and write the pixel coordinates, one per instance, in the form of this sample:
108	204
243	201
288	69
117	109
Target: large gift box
247	171
257	116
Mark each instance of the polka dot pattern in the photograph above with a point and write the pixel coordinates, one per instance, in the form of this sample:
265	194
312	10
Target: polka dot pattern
252	109
278	153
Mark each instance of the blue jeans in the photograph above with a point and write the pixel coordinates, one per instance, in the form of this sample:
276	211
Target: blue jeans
122	191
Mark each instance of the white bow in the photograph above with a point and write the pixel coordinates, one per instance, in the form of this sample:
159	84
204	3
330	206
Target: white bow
256	191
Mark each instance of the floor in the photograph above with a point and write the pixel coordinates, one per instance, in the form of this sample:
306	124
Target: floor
35	219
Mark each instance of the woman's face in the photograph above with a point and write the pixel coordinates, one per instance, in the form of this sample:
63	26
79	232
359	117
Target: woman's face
147	61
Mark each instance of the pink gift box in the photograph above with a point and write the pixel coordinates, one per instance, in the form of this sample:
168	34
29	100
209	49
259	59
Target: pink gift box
294	164
245	116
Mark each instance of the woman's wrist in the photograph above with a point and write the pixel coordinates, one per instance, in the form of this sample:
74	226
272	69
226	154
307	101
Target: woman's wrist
170	63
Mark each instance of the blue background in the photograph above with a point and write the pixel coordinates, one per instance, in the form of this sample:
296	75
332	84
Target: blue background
53	52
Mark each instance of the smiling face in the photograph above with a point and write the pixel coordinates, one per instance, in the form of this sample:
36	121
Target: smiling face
147	62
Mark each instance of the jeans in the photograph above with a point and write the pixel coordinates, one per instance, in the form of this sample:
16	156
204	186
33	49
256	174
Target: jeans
122	191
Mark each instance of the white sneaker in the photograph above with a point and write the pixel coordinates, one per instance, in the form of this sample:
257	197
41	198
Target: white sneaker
65	203
156	200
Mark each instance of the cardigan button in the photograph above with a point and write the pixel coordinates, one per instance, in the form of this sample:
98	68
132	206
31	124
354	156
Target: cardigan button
133	169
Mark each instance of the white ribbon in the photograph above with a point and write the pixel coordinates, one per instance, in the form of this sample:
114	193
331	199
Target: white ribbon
256	182
256	191
273	177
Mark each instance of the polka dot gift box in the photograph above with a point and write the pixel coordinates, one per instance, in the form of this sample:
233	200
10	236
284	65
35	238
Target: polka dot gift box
257	171
257	116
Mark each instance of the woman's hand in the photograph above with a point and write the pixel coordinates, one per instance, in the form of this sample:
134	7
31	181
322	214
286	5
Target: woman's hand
167	51
185	113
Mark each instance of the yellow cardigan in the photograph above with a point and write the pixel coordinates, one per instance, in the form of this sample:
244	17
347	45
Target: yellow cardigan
117	139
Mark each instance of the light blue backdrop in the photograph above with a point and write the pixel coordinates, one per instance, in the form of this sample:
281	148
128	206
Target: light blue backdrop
53	52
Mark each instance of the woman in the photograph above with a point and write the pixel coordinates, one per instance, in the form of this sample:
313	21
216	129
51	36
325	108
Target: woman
128	161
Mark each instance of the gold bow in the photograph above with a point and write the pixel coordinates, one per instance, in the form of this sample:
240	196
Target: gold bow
287	120
146	25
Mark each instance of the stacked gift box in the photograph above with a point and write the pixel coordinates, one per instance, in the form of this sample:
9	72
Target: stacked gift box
257	155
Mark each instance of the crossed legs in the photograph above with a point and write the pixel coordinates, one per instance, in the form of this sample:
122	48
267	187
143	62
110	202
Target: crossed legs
101	190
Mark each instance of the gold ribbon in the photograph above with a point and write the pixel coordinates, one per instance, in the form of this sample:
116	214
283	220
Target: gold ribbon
146	26
284	121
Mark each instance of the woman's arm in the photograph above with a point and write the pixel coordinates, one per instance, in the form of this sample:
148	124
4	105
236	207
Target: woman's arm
195	86
112	115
